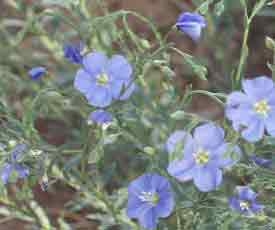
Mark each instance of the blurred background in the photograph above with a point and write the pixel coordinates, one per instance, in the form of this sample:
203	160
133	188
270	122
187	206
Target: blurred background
219	51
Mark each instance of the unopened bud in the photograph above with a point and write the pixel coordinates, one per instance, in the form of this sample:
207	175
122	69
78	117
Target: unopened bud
270	43
149	150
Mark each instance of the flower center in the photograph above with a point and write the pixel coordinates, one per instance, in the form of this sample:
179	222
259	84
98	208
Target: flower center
262	107
244	205
202	157
102	79
149	197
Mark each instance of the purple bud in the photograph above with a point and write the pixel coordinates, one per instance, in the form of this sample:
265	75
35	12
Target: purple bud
37	72
191	24
72	52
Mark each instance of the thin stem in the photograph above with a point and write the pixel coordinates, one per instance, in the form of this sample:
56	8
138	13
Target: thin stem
83	8
244	52
85	154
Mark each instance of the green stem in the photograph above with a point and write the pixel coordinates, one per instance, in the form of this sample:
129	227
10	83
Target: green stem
85	154
83	8
244	52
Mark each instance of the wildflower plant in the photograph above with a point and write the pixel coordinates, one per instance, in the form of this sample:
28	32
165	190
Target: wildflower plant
93	107
102	80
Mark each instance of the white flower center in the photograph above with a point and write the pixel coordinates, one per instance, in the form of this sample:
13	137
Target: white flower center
202	157
244	205
262	108
149	197
102	79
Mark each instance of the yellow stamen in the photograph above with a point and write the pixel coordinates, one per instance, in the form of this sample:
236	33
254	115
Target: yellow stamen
102	79
262	107
244	205
202	157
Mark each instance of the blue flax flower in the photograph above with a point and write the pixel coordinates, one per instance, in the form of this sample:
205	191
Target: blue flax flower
72	52
191	24
149	198
253	111
201	157
37	72
262	162
13	165
102	80
101	117
245	202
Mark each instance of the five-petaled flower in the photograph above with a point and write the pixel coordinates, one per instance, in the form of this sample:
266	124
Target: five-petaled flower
13	165
102	80
201	157
149	198
191	24
37	72
100	117
72	52
253	111
245	202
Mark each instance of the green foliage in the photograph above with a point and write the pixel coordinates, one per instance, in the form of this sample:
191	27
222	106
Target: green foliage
97	163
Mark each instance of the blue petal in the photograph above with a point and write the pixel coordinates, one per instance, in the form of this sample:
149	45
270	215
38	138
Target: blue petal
191	24
191	17
135	206
148	218
129	90
99	97
234	204
255	131
141	184
175	138
270	123
193	30
184	138
119	68
240	116
22	171
101	117
72	52
6	172
162	186
209	136
235	99
37	72
226	155
256	208
166	204
18	151
246	193
159	183
83	81
271	99
116	88
182	170
207	178
259	88
239	109
95	63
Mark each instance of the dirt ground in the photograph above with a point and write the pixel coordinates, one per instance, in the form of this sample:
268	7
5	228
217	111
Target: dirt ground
165	13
